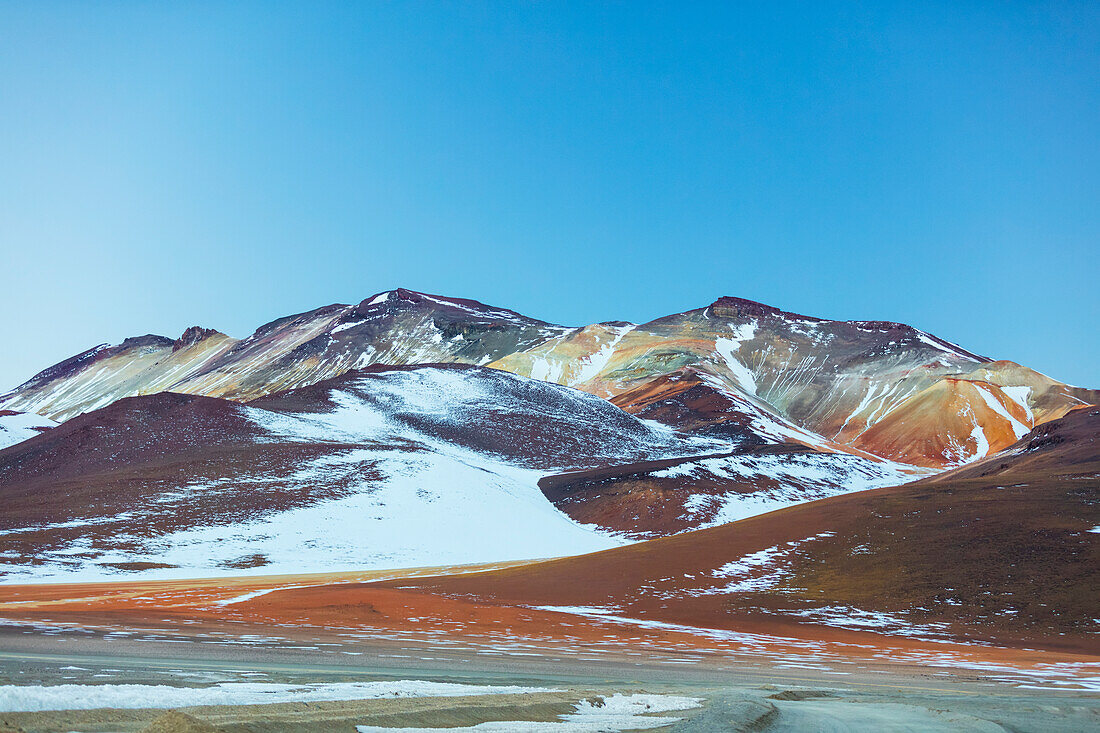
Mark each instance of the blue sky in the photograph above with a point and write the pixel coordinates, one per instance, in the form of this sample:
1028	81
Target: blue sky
223	164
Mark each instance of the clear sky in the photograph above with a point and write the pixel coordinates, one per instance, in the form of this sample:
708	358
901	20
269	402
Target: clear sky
223	164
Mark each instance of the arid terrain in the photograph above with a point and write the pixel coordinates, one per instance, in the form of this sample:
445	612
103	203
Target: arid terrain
426	513
776	676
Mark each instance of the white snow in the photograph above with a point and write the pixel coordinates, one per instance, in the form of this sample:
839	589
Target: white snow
65	525
606	616
484	310
255	594
1018	428
546	370
21	426
765	422
748	563
981	442
445	507
727	348
784	480
888	402
411	499
959	452
1021	395
33	698
380	298
594	715
345	326
743	571
579	610
756	571
864	403
847	617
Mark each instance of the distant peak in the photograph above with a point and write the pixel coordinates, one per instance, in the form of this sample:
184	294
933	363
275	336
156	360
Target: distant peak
387	296
461	307
192	336
406	294
410	296
729	306
149	339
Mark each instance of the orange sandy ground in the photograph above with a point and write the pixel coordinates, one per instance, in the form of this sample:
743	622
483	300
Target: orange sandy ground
339	603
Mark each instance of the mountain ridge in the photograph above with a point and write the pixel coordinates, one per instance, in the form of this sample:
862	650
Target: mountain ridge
877	388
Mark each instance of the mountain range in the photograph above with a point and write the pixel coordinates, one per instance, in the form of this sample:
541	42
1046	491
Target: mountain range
870	388
417	430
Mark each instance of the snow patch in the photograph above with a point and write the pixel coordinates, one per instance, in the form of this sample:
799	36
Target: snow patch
727	348
981	442
345	326
255	594
847	617
22	426
579	610
765	423
593	715
783	480
945	346
1018	428
34	698
546	370
757	571
1021	395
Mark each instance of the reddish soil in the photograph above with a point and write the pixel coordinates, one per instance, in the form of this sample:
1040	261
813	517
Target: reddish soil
332	606
684	400
998	551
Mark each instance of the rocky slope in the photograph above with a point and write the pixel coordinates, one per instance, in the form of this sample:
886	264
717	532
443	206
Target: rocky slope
879	388
873	389
376	468
379	467
657	498
1005	550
